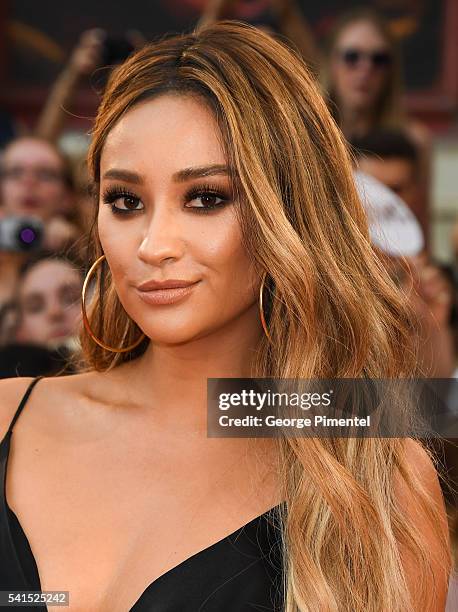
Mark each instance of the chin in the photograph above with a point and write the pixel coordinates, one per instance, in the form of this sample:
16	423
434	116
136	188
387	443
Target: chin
363	101
172	335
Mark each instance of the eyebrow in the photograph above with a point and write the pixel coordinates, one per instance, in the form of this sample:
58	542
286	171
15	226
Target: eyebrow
200	171
123	175
181	176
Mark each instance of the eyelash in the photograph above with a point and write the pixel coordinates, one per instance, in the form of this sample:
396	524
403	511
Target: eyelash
115	193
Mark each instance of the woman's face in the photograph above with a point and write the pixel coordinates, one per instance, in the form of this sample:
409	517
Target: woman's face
49	302
33	182
360	64
167	212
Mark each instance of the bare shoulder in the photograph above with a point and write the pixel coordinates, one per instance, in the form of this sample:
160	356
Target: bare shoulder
62	406
49	401
12	390
433	526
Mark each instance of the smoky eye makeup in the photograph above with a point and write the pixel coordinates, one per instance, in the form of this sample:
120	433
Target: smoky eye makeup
206	198
200	198
116	195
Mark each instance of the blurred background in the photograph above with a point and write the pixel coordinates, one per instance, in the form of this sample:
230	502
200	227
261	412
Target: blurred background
389	72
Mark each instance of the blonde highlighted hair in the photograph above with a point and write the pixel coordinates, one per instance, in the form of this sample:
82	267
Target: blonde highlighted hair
332	310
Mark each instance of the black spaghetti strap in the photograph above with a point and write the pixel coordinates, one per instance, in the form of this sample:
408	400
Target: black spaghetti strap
23	402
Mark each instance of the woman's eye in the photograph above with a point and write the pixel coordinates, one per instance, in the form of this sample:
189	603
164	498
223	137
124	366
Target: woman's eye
205	201
69	295
122	201
34	305
126	203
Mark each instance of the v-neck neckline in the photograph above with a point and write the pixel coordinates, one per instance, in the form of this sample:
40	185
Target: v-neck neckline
12	515
167	573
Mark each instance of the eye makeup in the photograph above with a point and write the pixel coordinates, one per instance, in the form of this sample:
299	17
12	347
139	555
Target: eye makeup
207	193
113	194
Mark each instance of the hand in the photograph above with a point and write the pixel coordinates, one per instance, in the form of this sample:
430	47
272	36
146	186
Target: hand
87	55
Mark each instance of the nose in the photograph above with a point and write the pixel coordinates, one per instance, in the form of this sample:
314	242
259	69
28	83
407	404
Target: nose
28	179
163	240
55	309
365	66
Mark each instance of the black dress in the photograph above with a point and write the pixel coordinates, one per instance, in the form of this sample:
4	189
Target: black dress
241	572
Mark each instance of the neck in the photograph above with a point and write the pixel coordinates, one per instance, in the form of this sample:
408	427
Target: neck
174	377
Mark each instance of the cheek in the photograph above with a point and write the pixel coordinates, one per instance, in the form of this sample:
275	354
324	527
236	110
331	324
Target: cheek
119	242
378	81
52	193
34	325
341	79
234	275
73	313
8	192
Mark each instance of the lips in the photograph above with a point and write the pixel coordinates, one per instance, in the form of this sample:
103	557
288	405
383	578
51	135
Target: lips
165	292
31	204
59	333
171	283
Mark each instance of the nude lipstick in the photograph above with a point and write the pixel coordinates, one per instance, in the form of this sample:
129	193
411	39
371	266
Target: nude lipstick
169	291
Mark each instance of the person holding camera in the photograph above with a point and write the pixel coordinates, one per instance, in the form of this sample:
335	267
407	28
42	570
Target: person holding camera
36	205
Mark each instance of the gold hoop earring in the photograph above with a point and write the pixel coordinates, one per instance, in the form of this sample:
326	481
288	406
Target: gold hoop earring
86	320
261	310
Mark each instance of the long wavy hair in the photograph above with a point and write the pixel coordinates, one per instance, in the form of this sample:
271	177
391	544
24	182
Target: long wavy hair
389	109
332	310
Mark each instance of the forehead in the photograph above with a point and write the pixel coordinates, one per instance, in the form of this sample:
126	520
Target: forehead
47	274
361	34
165	134
32	152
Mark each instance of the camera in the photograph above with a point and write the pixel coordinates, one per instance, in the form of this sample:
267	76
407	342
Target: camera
21	234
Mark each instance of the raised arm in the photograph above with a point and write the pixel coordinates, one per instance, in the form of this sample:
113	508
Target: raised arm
84	59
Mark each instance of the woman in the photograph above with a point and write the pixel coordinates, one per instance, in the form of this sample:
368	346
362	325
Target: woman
48	297
222	179
361	75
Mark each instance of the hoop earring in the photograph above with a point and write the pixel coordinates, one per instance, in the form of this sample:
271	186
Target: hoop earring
261	311
86	320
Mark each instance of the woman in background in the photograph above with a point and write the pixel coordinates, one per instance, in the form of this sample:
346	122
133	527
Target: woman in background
48	298
362	79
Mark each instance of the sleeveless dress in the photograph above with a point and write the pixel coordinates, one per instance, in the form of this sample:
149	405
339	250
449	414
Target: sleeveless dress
240	573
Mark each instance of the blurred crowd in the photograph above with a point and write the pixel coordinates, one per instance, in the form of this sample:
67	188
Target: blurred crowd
46	207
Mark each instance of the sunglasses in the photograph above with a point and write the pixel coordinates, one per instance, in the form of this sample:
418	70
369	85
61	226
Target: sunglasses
353	57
